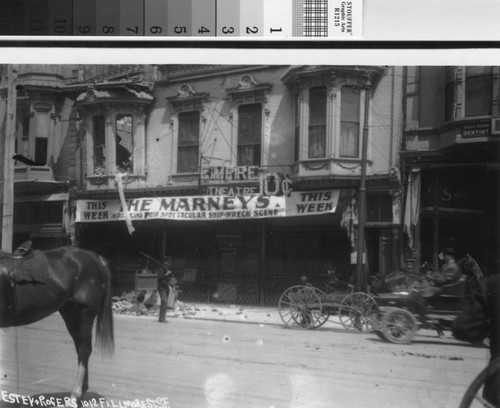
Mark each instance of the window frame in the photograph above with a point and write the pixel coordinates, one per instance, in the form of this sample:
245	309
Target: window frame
358	122
187	146
489	84
257	153
323	124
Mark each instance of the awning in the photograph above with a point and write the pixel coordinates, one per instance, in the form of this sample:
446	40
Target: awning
41	198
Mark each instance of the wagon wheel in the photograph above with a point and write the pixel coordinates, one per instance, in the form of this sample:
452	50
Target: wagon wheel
474	392
398	325
355	311
300	306
320	314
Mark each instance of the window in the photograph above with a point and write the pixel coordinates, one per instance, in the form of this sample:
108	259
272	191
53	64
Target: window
124	143
297	129
188	144
41	135
478	91
379	208
317	122
349	122
249	134
99	143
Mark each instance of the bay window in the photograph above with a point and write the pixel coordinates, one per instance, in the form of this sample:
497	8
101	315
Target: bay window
124	143
99	145
349	122
317	122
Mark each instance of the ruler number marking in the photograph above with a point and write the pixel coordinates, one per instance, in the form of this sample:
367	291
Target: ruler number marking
203	30
227	30
134	30
252	30
180	29
108	29
155	30
60	26
84	29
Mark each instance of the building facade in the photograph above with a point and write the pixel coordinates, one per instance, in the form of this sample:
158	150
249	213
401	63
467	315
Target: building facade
450	159
246	175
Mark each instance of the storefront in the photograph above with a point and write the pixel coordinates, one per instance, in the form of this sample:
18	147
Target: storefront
240	249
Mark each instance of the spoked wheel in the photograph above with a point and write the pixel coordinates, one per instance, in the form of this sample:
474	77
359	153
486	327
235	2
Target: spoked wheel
398	326
355	311
300	306
473	397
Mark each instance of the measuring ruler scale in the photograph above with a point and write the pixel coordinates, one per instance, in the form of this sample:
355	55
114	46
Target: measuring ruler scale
258	19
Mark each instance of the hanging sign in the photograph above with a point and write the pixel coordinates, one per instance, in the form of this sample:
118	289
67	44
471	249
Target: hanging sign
209	208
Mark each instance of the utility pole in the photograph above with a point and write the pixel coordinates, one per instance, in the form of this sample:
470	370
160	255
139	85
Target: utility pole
8	163
360	275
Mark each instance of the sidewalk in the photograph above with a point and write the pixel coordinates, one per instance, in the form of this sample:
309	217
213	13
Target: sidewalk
201	311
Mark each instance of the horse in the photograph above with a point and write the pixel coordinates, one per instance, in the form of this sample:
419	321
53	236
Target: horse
73	281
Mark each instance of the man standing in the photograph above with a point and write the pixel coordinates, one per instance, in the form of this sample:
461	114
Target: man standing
479	318
163	278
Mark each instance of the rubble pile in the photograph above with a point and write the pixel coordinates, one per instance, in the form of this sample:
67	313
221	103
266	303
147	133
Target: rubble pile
134	303
144	304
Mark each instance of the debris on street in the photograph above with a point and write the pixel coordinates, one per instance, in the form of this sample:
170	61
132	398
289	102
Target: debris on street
147	304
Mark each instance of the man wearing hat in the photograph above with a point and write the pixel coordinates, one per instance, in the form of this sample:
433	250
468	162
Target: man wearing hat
164	275
450	271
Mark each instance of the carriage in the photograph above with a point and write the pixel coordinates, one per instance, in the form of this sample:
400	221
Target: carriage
399	315
305	306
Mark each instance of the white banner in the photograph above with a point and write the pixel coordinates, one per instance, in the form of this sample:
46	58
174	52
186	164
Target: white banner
209	208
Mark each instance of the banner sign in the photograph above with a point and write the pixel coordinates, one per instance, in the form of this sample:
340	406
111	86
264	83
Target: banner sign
209	208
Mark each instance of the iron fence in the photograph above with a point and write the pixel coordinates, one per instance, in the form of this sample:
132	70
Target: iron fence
248	282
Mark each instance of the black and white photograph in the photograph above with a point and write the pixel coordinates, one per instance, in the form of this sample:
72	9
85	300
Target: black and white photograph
256	232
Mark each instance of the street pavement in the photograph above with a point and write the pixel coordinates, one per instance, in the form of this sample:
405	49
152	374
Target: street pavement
232	357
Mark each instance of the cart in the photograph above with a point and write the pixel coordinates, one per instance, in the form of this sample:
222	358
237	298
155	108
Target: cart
305	306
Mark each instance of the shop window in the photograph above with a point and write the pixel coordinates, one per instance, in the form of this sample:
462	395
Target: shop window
249	134
317	122
478	91
188	143
99	145
379	208
124	143
349	122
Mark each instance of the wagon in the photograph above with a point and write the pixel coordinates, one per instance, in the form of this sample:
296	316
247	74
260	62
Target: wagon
308	307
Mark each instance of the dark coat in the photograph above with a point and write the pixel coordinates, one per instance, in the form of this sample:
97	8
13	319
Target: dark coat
479	318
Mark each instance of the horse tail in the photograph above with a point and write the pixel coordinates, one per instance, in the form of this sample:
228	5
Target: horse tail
104	328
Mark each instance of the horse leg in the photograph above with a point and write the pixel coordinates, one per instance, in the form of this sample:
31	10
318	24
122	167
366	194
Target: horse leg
79	322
